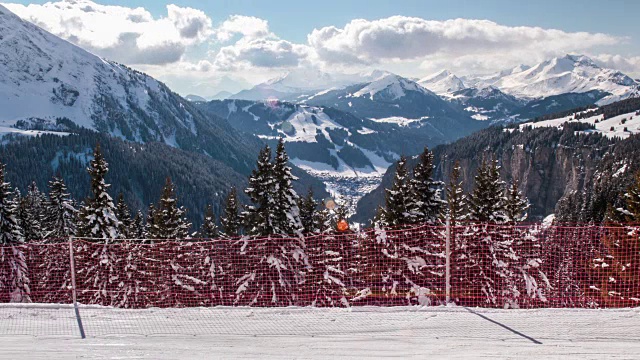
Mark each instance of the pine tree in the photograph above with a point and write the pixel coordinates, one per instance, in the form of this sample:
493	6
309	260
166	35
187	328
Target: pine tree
150	222
308	207
397	209
124	218
339	212
516	204
231	221
632	200
260	217
60	221
98	217
490	258
14	278
322	220
275	261
169	220
426	203
456	199
138	230
209	229
32	213
287	213
487	201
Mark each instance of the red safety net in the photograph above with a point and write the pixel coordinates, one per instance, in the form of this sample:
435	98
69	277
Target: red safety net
501	266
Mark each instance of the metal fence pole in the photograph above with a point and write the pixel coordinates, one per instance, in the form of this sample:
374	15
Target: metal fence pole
448	261
74	294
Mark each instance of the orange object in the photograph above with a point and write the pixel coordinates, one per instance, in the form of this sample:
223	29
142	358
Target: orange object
343	225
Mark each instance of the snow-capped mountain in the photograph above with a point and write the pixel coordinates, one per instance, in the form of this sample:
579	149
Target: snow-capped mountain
299	83
387	96
44	78
487	103
487	80
443	82
561	75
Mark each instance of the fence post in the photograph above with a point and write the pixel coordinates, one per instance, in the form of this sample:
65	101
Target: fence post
74	294
448	261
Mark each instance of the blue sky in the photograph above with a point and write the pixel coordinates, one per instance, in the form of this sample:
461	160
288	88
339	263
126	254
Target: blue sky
203	41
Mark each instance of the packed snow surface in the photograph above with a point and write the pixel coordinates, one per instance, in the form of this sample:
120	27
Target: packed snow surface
367	332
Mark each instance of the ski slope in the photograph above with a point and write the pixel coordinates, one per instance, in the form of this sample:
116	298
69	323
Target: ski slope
368	332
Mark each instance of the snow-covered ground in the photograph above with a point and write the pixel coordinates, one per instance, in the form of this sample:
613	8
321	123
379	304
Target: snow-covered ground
404	332
612	127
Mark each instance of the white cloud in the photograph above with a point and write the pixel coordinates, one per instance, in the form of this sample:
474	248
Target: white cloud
128	35
408	38
248	26
629	65
262	53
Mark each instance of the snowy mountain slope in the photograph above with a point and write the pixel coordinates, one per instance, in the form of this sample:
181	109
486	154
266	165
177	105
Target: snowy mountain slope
620	126
300	83
44	78
320	138
487	80
442	83
488	103
568	74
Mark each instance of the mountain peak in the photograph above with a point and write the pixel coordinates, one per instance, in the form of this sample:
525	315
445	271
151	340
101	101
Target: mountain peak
392	85
442	82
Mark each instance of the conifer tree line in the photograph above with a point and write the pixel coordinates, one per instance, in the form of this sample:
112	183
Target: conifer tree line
283	249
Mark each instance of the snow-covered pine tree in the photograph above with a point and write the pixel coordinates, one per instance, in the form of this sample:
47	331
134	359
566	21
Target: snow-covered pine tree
287	213
32	213
99	224
274	262
150	221
137	230
169	220
398	200
308	208
209	229
230	221
60	219
260	217
516	204
98	218
423	248
489	266
124	218
54	276
487	201
425	201
322	221
380	219
14	278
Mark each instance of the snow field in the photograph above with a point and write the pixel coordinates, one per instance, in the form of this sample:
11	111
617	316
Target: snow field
405	332
632	124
